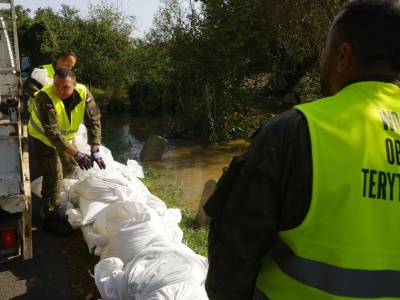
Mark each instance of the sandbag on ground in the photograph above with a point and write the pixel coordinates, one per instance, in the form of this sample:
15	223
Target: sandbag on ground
161	270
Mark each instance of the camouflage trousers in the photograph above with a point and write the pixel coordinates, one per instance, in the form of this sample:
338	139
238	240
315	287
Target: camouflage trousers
55	166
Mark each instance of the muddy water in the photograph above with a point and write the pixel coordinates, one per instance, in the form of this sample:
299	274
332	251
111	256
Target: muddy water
190	161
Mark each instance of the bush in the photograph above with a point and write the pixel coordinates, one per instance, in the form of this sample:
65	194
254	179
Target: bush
146	98
115	107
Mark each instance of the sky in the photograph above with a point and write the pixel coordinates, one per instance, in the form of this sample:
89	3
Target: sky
143	10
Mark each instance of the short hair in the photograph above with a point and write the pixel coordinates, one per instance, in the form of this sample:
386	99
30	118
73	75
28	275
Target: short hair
64	73
66	54
372	27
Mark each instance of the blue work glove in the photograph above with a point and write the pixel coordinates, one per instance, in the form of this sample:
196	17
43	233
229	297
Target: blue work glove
83	160
97	158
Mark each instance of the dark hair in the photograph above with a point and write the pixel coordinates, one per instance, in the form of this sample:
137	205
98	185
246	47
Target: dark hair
66	54
64	73
372	27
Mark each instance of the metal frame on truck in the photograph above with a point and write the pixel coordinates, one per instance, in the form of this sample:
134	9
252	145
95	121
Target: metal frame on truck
15	193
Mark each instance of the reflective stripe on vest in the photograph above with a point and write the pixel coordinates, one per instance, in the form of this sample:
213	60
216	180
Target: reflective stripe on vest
67	129
335	280
347	247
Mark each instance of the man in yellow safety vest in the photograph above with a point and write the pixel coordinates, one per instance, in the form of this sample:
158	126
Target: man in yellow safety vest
311	209
59	109
43	75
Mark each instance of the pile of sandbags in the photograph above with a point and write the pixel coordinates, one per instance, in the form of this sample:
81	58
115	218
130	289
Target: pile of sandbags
161	270
137	238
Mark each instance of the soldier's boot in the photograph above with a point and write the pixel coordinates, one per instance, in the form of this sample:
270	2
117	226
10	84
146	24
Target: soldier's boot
54	224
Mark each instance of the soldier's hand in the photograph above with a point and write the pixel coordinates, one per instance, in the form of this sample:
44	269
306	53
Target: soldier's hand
97	158
83	160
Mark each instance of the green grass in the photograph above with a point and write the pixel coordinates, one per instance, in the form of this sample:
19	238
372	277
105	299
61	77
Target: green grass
168	190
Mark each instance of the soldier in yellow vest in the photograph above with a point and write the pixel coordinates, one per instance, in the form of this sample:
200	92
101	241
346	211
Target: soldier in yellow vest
311	209
58	111
43	75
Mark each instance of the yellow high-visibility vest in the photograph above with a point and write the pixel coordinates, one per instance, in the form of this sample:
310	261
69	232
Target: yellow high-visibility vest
67	128
348	246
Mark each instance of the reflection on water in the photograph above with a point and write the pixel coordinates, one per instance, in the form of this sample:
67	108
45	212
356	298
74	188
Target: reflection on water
192	162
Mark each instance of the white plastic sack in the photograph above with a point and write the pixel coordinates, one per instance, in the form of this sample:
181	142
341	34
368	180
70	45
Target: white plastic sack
91	210
65	204
172	232
74	217
161	271
130	226
88	237
108	276
96	189
189	291
36	186
134	169
155	203
40	75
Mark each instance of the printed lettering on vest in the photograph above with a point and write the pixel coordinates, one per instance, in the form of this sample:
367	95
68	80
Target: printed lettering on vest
379	184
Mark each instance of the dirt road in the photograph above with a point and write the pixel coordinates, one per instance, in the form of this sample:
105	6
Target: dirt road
60	268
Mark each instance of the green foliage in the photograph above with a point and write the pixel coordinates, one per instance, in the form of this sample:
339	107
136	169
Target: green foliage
213	66
146	98
115	107
101	41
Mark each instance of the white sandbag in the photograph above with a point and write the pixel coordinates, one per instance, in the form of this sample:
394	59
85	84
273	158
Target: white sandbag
109	174
132	169
74	217
130	227
161	270
36	186
96	189
88	237
98	250
172	232
189	291
40	75
65	204
73	197
101	241
100	225
91	210
155	203
179	292
108	276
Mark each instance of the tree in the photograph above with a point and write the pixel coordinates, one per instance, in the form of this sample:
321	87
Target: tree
102	42
106	46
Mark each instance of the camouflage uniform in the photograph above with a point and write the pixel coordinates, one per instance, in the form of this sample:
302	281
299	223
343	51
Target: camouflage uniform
54	163
265	189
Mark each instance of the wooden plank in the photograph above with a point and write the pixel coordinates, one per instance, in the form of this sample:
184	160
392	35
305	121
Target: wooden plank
27	214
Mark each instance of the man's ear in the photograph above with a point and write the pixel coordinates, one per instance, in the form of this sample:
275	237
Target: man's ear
345	56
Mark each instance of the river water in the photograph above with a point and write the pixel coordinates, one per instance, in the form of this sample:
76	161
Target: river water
191	161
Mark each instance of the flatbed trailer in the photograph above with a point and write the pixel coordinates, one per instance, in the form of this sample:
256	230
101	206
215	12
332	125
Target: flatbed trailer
15	190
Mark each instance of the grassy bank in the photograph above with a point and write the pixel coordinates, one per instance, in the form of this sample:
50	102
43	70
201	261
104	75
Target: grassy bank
168	190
